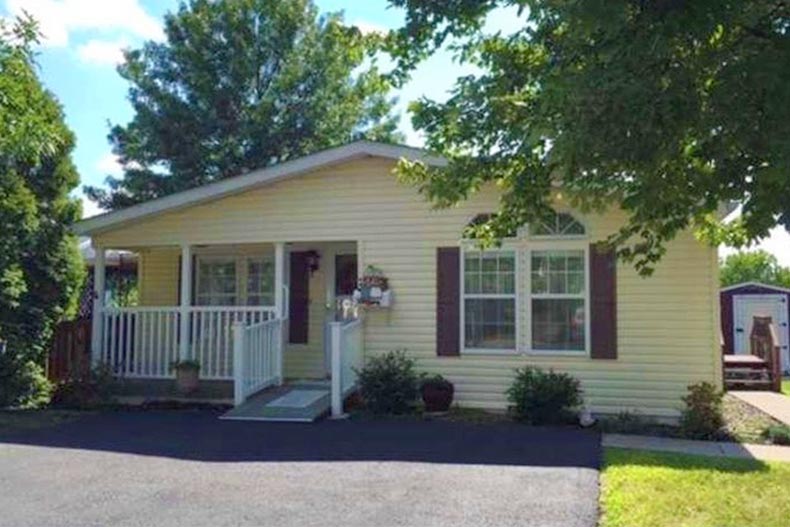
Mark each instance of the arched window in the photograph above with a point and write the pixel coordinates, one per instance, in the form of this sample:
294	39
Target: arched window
560	224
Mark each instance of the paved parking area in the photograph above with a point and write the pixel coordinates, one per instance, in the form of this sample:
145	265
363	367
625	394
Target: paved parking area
189	468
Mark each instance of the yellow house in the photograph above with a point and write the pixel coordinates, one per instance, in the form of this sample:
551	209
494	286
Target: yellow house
254	277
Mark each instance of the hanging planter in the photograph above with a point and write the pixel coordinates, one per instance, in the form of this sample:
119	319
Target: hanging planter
373	288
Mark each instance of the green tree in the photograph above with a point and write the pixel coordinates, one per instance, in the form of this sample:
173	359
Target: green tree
241	84
669	108
753	266
40	266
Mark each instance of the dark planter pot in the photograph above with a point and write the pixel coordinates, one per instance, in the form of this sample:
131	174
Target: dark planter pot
187	379
437	398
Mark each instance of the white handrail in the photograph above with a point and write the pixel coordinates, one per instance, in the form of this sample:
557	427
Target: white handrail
347	356
257	353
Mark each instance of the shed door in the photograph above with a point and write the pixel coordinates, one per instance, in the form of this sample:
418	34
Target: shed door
746	307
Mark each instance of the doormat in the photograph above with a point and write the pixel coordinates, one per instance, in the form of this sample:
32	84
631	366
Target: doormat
298	398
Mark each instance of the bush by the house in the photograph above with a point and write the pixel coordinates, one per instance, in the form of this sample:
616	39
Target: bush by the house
702	417
85	391
539	397
778	434
22	382
388	383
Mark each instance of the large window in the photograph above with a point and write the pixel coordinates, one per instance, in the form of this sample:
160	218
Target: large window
216	282
230	281
558	300
260	282
489	300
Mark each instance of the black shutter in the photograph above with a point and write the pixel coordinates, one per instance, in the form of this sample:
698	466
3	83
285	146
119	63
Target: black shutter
448	301
603	300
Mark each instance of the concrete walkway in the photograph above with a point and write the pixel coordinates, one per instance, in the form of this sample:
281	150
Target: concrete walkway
701	448
776	405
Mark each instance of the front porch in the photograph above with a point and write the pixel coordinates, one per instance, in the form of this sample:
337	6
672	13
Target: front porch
253	316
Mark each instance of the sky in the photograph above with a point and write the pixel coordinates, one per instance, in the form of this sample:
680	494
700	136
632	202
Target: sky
82	46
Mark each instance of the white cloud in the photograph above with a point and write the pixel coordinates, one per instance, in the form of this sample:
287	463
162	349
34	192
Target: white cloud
368	27
103	52
777	243
89	208
109	164
59	18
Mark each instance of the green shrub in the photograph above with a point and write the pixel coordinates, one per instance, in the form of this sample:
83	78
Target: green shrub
702	417
539	397
388	383
778	434
22	382
85	391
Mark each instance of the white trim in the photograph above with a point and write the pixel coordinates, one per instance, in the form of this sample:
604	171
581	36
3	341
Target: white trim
755	284
515	296
241	264
559	245
98	304
234	185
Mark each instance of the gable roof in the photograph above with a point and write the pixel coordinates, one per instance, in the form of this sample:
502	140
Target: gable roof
755	284
256	178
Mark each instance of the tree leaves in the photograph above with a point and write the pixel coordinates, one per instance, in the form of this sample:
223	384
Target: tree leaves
666	109
239	85
41	271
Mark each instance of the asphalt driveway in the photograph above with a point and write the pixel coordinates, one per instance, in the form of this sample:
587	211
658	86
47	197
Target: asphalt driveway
189	468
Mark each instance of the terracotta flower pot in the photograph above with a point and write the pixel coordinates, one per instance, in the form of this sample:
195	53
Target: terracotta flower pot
187	379
437	397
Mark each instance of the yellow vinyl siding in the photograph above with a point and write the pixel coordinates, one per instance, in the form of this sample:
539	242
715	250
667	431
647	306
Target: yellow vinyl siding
159	276
668	329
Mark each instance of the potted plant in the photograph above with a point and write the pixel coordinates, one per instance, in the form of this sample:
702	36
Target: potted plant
437	393
373	288
186	375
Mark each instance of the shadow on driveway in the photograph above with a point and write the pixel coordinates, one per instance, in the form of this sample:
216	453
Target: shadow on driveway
201	436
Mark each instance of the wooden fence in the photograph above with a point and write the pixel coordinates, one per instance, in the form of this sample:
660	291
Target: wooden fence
70	353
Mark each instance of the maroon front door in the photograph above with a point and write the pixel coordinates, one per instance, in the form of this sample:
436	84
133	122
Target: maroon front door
299	301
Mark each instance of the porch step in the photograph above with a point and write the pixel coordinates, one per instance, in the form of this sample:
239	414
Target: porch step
300	402
746	372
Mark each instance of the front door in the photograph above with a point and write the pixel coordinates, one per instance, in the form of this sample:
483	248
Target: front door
746	307
299	298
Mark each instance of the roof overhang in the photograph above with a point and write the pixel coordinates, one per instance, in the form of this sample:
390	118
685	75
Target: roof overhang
776	288
256	178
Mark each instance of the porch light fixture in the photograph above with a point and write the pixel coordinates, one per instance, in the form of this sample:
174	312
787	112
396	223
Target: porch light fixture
313	261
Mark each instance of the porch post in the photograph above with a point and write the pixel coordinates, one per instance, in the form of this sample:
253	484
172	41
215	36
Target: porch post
98	304
336	385
279	303
279	278
186	301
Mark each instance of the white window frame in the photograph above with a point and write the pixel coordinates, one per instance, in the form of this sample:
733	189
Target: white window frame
200	260
523	245
241	284
471	247
241	262
559	237
557	243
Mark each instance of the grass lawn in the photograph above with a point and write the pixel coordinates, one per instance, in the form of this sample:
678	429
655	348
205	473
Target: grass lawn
786	387
652	489
16	421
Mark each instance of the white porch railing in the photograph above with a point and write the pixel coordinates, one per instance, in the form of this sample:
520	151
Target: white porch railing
257	354
144	341
347	355
140	341
211	336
